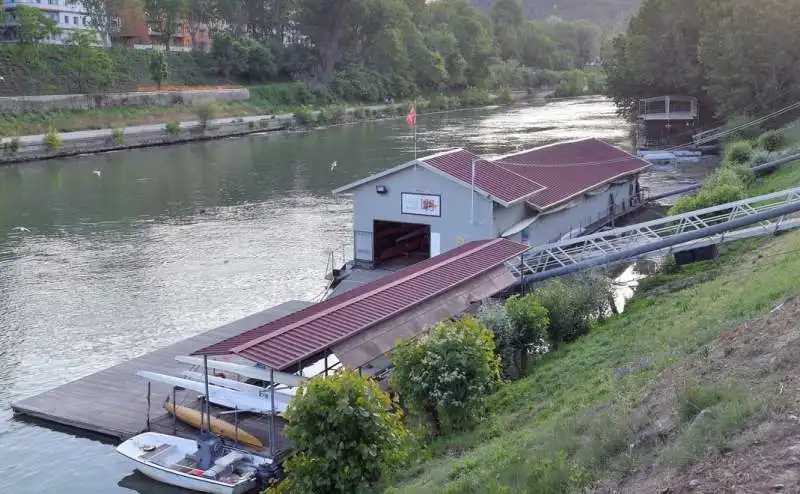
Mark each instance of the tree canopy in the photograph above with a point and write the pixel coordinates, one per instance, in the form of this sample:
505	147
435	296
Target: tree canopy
736	56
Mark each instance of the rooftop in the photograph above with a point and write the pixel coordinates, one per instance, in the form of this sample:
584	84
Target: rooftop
283	343
544	177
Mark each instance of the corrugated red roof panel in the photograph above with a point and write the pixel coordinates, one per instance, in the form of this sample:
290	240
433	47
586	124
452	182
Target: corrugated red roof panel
489	177
571	168
286	341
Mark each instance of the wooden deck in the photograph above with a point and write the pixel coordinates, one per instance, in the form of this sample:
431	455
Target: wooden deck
113	402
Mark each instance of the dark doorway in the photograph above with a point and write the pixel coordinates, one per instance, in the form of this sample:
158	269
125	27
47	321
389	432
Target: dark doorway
400	243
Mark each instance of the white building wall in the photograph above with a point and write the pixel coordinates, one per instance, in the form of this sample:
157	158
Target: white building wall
455	226
68	16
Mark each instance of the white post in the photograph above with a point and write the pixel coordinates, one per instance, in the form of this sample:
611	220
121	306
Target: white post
415	131
472	196
208	397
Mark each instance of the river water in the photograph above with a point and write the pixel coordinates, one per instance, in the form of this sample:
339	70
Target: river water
127	252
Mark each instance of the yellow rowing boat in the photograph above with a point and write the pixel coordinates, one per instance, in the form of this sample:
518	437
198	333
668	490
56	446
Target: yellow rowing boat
218	426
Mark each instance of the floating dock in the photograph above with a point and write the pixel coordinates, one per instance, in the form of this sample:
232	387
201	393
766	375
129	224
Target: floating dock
113	402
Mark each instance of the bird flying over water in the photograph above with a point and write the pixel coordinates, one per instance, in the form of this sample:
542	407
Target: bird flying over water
333	165
20	229
96	172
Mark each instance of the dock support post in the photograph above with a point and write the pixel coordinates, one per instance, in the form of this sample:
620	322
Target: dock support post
326	363
208	402
148	406
174	412
272	415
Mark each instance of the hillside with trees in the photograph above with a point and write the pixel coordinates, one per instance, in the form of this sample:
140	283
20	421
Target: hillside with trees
739	57
610	15
352	50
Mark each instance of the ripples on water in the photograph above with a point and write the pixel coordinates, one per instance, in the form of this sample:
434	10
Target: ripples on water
170	242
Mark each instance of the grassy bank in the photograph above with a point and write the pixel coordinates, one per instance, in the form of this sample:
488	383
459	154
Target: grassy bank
646	397
264	100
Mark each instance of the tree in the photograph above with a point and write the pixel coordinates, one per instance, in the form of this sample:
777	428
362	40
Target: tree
34	25
166	17
509	21
343	435
449	374
88	67
102	14
159	70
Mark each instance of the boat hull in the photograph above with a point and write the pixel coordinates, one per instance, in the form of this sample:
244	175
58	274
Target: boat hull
191	483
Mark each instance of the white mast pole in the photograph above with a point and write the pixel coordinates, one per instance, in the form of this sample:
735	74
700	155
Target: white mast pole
472	195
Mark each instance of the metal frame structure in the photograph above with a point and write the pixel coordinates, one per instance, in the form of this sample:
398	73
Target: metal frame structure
723	223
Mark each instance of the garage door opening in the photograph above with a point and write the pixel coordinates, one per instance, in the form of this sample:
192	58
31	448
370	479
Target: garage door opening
400	244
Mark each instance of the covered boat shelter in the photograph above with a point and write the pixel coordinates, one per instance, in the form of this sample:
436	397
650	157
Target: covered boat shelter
358	327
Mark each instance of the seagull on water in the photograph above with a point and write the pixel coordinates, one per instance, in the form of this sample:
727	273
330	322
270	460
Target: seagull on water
333	165
20	229
96	172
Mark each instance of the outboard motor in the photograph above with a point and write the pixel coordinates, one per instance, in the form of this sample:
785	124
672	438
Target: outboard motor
209	449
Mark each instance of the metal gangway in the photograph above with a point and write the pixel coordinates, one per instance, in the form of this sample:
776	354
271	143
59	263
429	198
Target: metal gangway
762	215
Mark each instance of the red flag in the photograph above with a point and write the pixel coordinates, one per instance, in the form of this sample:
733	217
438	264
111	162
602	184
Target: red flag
411	119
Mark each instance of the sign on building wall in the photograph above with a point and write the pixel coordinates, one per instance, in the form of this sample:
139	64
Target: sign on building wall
421	204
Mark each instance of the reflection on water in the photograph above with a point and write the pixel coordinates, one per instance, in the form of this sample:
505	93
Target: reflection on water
169	242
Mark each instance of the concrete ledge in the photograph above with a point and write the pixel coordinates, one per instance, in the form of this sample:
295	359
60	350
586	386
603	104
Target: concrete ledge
53	102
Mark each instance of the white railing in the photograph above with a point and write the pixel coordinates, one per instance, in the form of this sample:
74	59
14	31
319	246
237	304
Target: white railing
572	251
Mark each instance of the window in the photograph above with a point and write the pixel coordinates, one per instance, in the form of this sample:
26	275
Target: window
84	21
66	19
75	20
53	2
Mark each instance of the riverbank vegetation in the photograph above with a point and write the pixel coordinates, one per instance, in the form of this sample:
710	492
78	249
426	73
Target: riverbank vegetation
734	180
734	55
652	397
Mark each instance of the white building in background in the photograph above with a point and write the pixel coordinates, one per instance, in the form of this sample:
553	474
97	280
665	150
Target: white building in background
69	16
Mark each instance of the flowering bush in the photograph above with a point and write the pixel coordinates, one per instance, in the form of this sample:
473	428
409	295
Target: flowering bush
449	374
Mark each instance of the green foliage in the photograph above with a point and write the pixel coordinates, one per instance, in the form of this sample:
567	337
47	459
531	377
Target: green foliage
772	141
88	68
359	113
343	435
173	128
118	136
159	70
738	153
338	114
34	25
473	96
726	184
519	327
52	140
572	83
14	145
505	97
206	111
281	95
305	116
573	304
449	375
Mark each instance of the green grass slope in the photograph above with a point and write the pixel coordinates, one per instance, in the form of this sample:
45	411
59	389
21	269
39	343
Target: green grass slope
580	415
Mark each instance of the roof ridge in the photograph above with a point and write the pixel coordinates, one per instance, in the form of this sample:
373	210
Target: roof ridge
534	182
441	153
545	146
348	302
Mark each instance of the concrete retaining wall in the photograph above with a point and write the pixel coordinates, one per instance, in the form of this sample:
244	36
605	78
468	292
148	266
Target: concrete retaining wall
75	143
47	103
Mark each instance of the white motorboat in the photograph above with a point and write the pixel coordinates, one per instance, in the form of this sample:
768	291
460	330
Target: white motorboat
205	465
249	371
236	385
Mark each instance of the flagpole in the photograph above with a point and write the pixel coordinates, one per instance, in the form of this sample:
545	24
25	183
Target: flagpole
415	129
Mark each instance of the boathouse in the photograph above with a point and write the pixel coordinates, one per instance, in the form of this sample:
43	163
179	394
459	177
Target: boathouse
666	122
436	203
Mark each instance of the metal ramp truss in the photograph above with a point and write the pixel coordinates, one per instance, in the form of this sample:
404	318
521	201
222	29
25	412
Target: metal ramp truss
563	254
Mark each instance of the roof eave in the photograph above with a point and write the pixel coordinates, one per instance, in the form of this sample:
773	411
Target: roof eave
594	186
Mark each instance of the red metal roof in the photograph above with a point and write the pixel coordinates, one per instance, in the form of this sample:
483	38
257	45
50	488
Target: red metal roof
495	180
570	168
285	341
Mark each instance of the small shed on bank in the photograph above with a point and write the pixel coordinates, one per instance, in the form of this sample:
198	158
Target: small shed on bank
436	203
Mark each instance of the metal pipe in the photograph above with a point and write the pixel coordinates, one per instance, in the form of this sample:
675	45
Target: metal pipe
664	243
776	163
208	397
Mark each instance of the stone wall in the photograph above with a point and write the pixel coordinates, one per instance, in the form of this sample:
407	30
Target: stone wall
48	103
75	143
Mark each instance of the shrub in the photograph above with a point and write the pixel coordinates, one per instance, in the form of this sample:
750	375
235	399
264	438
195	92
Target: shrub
725	184
173	128
505	97
52	140
252	124
343	435
206	111
359	113
572	304
440	102
737	130
324	116
595	83
118	135
771	141
473	96
159	69
572	83
304	116
738	153
338	115
14	145
518	326
449	375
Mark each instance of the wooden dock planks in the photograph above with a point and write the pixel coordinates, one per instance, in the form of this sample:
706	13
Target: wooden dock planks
113	401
